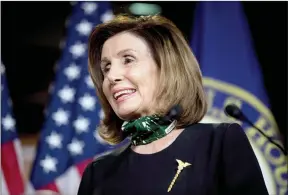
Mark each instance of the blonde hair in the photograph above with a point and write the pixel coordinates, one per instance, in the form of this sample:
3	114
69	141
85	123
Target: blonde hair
180	81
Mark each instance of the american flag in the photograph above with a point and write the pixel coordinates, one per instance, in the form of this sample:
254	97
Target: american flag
12	163
69	140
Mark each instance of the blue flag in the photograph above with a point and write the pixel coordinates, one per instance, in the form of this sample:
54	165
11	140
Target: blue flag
69	139
222	44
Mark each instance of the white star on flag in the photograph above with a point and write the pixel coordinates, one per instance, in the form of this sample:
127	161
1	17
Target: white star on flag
2	69
78	49
54	140
76	147
87	102
89	82
99	138
101	114
108	15
84	27
66	94
60	117
89	7
8	123
72	72
49	164
81	124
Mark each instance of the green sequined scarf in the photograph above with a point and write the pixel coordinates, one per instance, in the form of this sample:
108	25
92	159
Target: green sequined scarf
147	129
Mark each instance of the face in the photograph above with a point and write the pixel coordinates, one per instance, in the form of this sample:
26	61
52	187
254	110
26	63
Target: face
130	76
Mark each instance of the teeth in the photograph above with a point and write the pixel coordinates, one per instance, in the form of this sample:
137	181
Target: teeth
127	91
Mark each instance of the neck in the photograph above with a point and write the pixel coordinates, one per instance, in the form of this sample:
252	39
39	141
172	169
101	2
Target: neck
159	144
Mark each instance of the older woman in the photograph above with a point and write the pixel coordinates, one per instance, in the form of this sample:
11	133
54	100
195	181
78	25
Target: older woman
141	68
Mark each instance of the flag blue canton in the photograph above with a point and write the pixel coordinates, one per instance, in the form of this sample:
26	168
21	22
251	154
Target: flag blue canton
69	134
12	161
8	125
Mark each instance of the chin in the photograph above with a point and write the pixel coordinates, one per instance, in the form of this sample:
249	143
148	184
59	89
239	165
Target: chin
127	113
128	109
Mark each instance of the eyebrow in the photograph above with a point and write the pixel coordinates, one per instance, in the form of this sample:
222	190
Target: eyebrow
118	54
125	50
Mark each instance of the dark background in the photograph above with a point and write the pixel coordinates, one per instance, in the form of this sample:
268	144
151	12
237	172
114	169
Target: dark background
31	33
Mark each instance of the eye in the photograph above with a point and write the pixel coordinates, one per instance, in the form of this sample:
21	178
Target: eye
106	68
128	59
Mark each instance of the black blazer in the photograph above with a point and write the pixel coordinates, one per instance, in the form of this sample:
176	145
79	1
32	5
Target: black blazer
226	163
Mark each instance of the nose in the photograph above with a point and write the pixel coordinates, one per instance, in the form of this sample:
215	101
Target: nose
115	74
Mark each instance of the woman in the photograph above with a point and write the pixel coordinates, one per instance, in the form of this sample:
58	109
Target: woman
143	67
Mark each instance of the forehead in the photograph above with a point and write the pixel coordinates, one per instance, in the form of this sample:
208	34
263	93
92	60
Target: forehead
124	41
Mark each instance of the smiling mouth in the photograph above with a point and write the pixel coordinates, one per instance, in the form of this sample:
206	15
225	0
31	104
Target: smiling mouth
123	94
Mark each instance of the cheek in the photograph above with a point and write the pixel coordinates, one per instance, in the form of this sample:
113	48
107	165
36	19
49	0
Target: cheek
153	88
105	88
145	80
153	83
148	86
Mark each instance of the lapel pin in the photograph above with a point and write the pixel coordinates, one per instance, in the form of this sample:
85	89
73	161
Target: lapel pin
181	166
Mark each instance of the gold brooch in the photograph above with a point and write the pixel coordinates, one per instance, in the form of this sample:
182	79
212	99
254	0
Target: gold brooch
181	166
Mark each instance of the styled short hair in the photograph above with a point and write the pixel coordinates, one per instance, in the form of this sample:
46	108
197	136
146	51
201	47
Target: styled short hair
180	81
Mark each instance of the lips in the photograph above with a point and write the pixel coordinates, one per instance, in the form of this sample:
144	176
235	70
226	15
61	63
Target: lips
123	93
